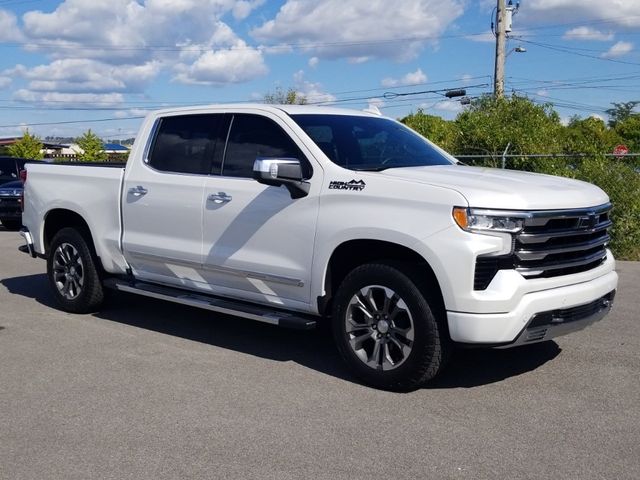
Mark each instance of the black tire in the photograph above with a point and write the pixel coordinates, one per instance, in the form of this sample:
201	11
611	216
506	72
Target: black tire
428	347
86	296
11	223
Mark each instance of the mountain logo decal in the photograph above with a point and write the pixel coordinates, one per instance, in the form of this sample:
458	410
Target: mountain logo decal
353	185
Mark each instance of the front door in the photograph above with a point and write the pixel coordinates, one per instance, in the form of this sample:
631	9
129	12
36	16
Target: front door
258	242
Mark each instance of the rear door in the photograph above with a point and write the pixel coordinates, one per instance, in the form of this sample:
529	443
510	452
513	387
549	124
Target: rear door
163	197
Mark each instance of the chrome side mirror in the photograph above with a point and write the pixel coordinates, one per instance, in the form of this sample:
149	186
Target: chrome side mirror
281	171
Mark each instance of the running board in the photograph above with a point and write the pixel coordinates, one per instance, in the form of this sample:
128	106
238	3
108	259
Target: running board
226	306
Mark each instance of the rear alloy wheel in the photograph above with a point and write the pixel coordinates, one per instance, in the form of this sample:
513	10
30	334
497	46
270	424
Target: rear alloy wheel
72	272
385	330
68	271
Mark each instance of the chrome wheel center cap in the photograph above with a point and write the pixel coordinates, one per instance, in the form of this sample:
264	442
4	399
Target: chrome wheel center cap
383	326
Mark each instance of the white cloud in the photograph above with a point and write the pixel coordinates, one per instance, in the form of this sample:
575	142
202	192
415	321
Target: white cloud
587	33
466	78
622	13
361	59
359	26
85	75
618	49
485	37
132	112
313	62
5	81
242	9
449	106
128	29
9	31
120	46
311	91
79	99
232	65
411	78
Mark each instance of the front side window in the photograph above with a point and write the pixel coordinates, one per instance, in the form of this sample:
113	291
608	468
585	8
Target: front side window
252	137
369	143
186	143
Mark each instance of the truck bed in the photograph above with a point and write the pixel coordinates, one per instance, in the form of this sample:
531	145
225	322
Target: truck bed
92	190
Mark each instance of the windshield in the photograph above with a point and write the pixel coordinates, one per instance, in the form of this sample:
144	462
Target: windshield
369	143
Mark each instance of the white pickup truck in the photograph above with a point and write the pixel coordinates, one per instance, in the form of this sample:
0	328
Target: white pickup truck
296	214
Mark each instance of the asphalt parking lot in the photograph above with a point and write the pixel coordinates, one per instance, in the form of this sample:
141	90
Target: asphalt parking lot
150	390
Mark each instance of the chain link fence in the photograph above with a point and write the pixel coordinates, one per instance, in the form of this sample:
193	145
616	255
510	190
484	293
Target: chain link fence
618	175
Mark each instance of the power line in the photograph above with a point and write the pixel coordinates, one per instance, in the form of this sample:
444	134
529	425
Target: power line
570	51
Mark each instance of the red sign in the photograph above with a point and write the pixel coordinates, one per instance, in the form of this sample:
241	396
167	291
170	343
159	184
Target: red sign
620	150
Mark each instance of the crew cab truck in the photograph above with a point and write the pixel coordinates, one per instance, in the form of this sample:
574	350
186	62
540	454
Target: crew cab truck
296	214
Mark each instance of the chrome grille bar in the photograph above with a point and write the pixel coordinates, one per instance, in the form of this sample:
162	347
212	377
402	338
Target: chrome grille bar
555	243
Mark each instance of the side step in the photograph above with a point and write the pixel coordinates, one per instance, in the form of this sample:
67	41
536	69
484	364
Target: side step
221	305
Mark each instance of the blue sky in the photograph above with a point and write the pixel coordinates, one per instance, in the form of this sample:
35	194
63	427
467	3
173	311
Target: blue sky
101	62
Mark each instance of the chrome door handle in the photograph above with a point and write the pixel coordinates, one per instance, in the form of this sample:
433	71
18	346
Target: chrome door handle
219	197
138	191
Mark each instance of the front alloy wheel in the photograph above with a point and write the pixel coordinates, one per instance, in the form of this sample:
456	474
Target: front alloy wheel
385	329
380	327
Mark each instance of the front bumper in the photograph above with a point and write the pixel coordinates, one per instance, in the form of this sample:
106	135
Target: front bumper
526	324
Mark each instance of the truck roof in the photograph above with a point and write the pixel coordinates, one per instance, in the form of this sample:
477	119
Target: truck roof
290	109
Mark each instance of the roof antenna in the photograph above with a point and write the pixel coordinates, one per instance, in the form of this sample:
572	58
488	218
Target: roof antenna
373	108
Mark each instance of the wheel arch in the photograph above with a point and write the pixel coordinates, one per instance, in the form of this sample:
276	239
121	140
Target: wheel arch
352	253
59	218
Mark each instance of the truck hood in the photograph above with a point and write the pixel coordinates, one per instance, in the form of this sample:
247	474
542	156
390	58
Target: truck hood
505	189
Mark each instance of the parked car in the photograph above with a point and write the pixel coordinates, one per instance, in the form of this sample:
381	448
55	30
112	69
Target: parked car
10	168
11	205
295	215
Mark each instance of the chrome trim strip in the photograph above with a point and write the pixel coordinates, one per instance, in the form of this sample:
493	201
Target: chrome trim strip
194	301
566	213
150	140
226	143
230	271
544	236
526	255
26	234
576	263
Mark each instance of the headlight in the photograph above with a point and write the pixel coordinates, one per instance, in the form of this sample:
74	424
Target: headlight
478	220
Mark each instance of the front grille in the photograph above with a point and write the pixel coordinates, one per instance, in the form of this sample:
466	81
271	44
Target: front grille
555	243
552	243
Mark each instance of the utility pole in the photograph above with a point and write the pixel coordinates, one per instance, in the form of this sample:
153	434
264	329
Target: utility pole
501	43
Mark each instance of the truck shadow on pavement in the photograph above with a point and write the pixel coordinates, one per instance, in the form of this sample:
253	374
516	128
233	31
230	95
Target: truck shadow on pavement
314	349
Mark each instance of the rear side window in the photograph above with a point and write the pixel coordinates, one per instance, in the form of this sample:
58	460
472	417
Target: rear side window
186	143
254	136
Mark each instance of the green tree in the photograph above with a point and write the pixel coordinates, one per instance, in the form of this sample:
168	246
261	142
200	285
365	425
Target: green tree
29	146
282	97
589	135
620	111
490	124
440	131
629	131
92	146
